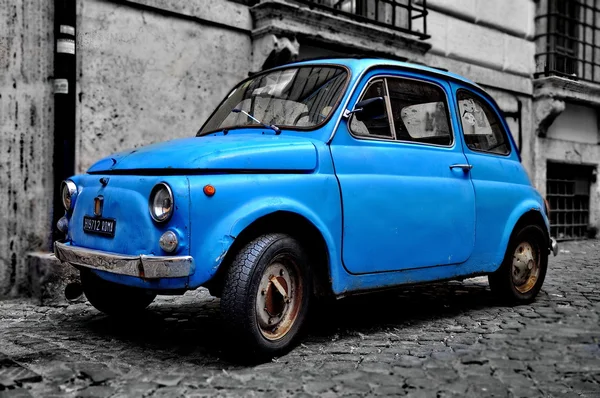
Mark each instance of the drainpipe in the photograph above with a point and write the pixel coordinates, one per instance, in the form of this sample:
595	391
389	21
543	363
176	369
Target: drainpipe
64	102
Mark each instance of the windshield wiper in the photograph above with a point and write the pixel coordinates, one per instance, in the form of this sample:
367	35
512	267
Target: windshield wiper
271	126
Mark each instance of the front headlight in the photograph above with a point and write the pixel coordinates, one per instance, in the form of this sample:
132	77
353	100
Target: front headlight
68	193
161	202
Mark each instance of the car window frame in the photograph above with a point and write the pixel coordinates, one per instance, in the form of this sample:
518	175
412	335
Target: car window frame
369	83
385	78
494	109
282	127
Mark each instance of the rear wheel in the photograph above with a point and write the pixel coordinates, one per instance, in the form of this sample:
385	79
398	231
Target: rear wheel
112	298
266	295
522	273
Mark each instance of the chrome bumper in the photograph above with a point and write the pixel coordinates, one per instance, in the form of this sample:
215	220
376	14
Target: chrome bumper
554	246
147	267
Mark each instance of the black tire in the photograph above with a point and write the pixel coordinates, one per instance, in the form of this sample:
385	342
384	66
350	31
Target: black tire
250	284
521	285
114	299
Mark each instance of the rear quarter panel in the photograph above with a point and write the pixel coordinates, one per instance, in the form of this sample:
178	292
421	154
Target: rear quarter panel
503	193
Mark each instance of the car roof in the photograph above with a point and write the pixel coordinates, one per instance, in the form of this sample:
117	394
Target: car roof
359	64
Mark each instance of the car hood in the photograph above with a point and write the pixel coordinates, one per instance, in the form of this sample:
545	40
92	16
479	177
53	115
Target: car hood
218	152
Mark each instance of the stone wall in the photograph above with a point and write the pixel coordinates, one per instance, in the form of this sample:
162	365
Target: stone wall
26	135
153	70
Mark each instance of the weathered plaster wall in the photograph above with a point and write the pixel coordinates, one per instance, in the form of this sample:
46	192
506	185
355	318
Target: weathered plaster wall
585	119
26	130
154	70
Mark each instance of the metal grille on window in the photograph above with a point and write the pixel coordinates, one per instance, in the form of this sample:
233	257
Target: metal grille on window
568	194
407	16
568	39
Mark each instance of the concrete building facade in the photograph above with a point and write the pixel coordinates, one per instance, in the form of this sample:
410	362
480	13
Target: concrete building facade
152	70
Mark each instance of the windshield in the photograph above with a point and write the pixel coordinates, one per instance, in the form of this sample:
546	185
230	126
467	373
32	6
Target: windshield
301	97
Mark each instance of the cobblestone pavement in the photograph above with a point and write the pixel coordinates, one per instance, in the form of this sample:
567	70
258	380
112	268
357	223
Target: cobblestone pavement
450	339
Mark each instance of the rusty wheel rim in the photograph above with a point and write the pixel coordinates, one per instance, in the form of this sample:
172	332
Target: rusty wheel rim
525	267
279	298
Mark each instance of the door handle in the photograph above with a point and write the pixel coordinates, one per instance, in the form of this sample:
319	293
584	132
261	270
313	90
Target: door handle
465	167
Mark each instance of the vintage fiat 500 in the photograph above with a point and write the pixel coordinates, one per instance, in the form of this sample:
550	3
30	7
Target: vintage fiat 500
318	178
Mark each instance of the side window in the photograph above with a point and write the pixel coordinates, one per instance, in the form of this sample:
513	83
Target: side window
481	125
420	112
377	128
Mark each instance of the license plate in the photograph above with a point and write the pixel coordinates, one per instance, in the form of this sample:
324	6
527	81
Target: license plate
99	225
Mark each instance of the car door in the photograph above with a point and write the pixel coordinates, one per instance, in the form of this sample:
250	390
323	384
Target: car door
407	197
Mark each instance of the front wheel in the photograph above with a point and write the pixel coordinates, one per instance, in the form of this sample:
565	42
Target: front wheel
521	275
112	298
266	295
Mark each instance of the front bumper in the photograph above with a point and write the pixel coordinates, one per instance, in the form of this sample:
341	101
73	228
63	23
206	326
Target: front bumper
142	266
554	246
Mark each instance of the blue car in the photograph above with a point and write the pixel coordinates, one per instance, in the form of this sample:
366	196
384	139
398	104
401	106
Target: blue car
321	178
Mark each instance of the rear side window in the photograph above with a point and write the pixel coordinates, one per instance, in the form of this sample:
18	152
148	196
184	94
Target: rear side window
481	125
419	112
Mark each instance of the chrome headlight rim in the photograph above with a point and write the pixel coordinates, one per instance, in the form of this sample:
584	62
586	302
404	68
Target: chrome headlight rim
69	188
155	190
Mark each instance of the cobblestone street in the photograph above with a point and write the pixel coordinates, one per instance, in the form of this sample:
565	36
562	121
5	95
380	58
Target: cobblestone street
450	339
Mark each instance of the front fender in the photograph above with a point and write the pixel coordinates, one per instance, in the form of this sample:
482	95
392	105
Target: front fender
231	225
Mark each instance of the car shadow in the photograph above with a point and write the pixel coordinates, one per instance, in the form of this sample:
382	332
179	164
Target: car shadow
194	331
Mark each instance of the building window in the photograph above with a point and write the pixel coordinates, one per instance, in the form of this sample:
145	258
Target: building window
408	16
568	194
568	39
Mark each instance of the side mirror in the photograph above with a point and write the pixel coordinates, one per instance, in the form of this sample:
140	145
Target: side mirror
369	109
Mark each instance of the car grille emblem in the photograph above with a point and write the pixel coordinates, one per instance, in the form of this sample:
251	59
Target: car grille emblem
98	204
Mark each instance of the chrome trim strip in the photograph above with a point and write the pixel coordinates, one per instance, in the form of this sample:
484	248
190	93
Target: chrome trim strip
142	266
388	105
339	119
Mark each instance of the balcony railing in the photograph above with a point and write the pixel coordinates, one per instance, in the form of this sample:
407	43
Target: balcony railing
407	16
568	39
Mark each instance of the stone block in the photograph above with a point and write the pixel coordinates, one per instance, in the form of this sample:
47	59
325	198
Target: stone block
519	55
459	39
49	277
219	11
480	45
513	16
465	8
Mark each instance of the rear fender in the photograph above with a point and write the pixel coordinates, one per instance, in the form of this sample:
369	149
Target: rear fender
523	208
